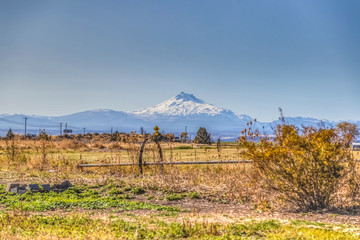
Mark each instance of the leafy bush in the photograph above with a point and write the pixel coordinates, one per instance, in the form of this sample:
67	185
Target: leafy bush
193	195
306	167
174	197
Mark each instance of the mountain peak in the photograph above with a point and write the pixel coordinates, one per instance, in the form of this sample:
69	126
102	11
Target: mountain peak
182	104
188	97
101	110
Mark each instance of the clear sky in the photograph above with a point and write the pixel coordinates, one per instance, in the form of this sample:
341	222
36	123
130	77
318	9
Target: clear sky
250	56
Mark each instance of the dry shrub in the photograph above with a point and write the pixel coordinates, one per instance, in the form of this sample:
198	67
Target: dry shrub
58	163
115	146
306	168
72	144
349	196
98	146
14	154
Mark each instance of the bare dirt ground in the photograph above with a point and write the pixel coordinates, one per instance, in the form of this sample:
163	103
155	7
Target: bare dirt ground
230	212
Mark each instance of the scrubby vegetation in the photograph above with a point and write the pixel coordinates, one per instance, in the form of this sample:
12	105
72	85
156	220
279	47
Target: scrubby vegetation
308	169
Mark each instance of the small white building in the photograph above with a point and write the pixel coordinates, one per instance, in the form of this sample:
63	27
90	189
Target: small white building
356	150
356	146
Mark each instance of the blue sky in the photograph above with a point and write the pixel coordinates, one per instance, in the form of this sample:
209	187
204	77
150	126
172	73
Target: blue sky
250	56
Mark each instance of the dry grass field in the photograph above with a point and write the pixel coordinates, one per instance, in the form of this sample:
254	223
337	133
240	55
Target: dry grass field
177	202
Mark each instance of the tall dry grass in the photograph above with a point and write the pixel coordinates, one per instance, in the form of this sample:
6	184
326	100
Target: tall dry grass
51	160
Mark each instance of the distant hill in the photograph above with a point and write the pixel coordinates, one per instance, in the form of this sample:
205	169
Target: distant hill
173	115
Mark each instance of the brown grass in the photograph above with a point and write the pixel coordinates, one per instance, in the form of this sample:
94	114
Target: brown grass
49	161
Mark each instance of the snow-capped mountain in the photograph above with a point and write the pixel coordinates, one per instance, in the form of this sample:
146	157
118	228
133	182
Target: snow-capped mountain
182	104
185	109
174	115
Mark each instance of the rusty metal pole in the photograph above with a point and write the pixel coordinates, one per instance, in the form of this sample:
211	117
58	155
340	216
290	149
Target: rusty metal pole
141	154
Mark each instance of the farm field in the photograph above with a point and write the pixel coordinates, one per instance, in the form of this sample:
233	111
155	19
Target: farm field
176	202
179	120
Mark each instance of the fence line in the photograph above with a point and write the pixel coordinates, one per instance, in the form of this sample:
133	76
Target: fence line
159	163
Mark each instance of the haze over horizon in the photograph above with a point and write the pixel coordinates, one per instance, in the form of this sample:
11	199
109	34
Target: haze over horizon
251	57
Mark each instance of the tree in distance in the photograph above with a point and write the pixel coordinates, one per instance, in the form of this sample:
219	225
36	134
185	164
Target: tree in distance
183	136
202	136
10	134
347	131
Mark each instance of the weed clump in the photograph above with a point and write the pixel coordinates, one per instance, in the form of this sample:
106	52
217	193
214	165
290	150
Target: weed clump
193	195
138	190
115	191
175	197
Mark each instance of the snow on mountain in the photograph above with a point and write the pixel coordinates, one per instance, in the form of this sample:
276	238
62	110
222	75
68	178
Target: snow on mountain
244	117
305	121
185	109
173	115
182	104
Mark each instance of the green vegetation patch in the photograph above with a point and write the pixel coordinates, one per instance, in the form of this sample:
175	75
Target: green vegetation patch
207	147
175	197
13	225
184	147
193	195
82	197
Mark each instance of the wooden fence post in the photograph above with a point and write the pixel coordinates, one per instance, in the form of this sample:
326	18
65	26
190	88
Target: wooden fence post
161	156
